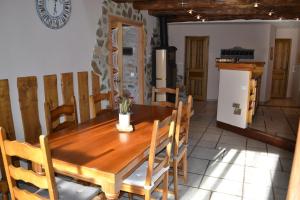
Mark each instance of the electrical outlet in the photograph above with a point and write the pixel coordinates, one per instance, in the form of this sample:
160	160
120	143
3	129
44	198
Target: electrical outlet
236	105
237	111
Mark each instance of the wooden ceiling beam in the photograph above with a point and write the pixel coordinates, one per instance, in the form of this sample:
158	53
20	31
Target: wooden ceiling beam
227	11
186	18
196	4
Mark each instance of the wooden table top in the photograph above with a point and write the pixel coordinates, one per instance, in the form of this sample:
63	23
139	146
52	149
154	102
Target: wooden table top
97	145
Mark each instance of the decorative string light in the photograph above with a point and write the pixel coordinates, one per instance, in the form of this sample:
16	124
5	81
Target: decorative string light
270	13
256	4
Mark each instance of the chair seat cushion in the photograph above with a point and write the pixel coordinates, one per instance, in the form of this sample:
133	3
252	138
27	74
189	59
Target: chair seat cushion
67	190
138	177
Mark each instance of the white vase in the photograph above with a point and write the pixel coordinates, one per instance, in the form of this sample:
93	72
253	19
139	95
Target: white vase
124	120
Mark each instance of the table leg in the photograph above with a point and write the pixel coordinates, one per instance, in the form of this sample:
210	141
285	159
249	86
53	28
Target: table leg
112	196
112	190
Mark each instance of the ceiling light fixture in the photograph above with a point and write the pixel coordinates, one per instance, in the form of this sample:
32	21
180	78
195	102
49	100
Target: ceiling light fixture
270	13
198	16
256	5
190	11
182	3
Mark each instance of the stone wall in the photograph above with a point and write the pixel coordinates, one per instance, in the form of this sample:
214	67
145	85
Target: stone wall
100	54
130	63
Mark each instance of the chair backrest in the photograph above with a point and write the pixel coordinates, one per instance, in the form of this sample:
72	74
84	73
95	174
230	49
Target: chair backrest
53	116
162	138
161	91
184	113
31	153
187	112
96	99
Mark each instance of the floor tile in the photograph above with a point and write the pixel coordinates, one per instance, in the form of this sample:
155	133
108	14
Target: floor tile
193	180
257	192
207	144
190	193
222	185
211	137
239	141
206	153
286	164
280	179
196	165
258	176
279	193
226	171
222	196
233	156
255	143
277	152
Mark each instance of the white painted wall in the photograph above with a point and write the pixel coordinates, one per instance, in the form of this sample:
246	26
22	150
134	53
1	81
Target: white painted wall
234	88
294	35
251	35
27	47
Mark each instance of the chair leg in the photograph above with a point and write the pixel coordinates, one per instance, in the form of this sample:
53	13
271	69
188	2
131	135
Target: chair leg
130	196
165	186
175	179
101	196
4	196
148	195
185	167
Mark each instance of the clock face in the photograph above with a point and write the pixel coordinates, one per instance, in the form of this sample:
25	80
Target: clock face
54	13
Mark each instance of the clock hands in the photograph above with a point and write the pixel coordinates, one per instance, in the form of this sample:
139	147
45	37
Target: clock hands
55	10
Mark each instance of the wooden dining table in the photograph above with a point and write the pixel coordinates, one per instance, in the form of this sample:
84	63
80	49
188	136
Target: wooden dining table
96	152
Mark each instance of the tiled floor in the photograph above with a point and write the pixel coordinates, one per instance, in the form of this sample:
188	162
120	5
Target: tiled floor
226	166
278	121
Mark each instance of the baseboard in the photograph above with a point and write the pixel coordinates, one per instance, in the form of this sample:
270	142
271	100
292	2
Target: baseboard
280	142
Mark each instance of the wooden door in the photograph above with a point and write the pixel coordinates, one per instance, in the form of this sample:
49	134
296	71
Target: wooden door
196	64
281	68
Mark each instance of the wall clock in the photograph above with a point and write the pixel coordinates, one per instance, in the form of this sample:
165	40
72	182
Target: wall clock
54	13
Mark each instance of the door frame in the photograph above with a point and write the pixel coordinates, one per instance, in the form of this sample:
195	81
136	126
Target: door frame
287	70
114	21
185	62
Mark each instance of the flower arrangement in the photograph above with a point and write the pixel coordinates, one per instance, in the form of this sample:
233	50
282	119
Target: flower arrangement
125	103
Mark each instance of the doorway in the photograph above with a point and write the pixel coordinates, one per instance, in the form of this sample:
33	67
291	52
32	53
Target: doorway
281	68
196	64
126	58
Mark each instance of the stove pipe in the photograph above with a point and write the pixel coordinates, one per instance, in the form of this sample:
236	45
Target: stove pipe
163	25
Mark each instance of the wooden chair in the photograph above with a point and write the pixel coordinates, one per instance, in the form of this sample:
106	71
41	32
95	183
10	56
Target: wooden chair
151	173
4	189
180	143
179	154
53	116
158	91
95	103
26	184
